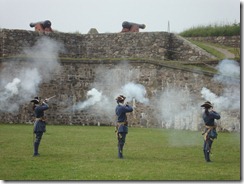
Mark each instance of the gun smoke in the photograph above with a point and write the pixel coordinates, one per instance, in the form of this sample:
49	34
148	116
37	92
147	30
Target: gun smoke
174	107
101	99
136	91
228	102
229	76
20	83
93	96
177	108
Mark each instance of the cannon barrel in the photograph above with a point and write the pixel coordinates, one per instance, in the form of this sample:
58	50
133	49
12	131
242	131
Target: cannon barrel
128	25
45	24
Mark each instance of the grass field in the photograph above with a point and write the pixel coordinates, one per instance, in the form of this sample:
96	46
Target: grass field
90	153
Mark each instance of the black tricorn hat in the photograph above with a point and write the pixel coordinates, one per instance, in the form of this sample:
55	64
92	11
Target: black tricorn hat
207	104
36	100
120	98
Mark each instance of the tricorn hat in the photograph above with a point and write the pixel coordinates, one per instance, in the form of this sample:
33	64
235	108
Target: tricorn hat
36	100
207	104
120	98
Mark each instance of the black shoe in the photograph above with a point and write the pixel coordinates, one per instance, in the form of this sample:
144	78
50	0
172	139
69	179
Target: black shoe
208	161
120	155
36	155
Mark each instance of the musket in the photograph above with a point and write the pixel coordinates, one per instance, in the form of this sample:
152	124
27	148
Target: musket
50	97
47	99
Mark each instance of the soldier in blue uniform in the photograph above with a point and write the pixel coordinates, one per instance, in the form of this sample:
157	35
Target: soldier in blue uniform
40	124
209	116
121	128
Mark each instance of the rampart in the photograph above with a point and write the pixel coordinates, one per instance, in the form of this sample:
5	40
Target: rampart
231	41
150	45
102	61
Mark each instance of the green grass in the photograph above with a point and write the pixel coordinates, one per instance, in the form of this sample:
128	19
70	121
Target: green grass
210	50
213	30
216	53
90	153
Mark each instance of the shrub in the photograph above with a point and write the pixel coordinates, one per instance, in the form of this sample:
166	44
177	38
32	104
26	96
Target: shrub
213	30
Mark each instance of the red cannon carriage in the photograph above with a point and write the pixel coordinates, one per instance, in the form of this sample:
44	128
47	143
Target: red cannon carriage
132	27
44	26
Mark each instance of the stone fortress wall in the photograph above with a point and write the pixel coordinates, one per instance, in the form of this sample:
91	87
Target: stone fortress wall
103	60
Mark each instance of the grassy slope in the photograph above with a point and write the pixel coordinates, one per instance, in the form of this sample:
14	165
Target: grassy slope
90	153
216	53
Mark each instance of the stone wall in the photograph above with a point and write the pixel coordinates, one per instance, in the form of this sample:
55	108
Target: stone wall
77	75
153	45
76	78
231	41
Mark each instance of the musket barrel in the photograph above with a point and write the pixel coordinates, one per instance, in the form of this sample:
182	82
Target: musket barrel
51	97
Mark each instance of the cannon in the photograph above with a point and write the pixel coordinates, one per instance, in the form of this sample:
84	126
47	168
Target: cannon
132	27
44	26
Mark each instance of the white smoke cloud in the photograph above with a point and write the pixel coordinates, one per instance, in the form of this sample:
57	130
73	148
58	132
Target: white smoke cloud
20	80
176	109
225	102
229	76
97	98
108	84
12	87
94	96
136	91
208	95
229	72
30	80
228	102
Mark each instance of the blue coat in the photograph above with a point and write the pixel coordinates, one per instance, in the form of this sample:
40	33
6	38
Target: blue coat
40	125
121	111
209	119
